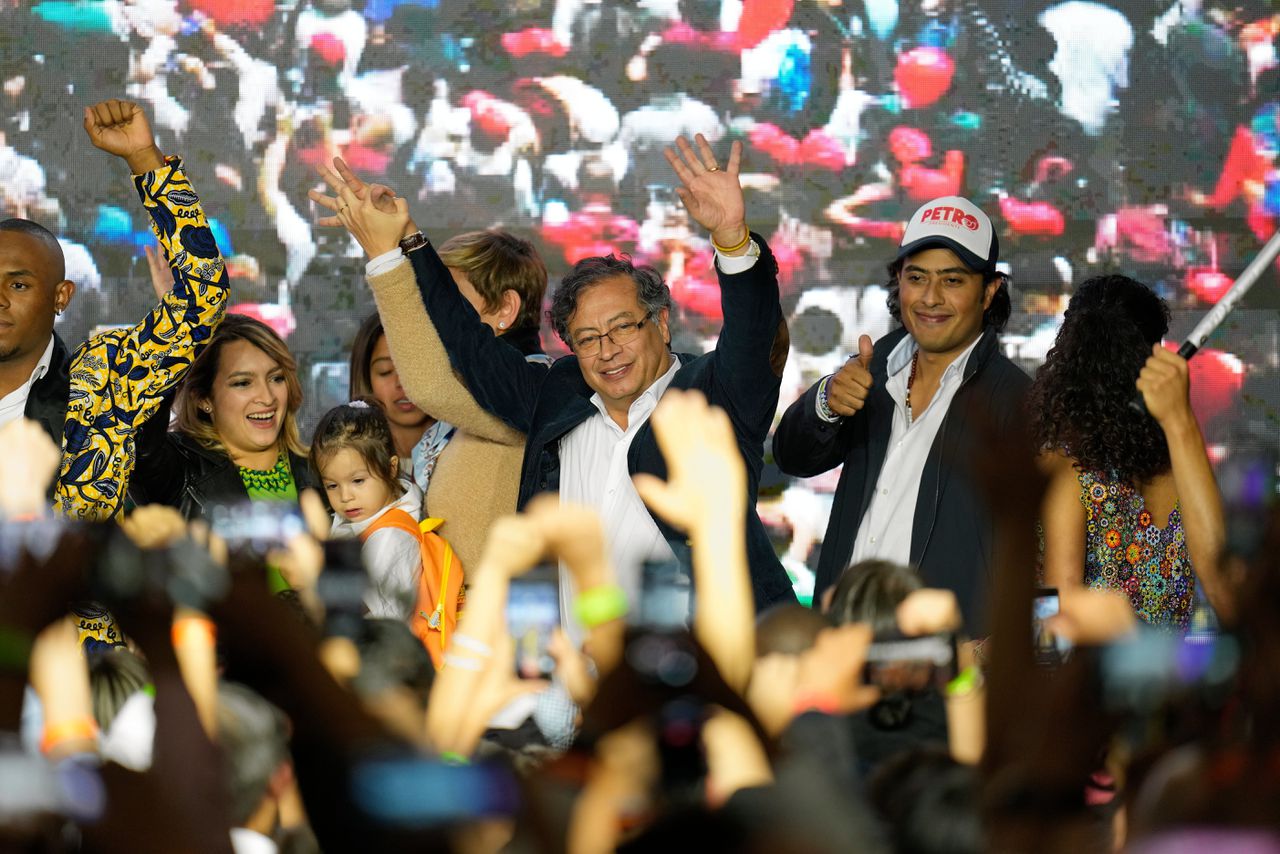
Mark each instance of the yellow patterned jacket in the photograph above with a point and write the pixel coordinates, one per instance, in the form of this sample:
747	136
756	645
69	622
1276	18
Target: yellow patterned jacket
118	378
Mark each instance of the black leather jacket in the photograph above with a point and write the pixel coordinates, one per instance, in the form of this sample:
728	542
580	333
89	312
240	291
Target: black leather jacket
176	470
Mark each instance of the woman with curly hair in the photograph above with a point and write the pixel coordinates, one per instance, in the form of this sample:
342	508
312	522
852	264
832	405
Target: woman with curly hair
1132	503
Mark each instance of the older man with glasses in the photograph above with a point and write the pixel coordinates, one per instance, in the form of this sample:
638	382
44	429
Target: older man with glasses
586	417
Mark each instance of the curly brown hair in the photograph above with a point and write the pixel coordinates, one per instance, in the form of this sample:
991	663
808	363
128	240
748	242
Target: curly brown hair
1079	402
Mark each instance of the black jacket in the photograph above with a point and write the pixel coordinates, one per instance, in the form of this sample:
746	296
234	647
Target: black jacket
47	402
952	534
176	470
546	403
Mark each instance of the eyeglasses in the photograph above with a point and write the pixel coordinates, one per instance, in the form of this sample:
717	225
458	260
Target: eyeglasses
589	345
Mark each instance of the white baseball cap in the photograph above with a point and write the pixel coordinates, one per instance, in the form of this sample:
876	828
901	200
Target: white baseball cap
954	223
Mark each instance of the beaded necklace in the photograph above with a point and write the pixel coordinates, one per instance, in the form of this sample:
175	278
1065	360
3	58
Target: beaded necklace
911	380
276	480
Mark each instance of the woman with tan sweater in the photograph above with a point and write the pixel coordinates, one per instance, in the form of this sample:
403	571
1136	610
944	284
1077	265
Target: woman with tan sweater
476	477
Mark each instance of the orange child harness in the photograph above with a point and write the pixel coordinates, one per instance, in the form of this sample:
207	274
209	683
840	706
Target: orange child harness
440	593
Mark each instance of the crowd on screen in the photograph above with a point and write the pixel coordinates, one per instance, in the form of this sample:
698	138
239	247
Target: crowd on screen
409	464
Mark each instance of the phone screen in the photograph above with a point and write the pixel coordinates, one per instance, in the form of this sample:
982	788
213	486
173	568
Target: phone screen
411	791
533	613
1049	648
341	587
666	596
911	664
37	538
260	526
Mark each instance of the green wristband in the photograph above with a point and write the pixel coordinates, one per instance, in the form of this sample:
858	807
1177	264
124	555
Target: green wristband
600	605
451	758
966	682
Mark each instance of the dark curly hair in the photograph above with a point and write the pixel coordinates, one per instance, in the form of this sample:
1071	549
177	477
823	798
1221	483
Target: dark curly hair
995	317
1079	401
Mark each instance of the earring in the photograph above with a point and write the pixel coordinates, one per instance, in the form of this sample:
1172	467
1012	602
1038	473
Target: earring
207	408
502	325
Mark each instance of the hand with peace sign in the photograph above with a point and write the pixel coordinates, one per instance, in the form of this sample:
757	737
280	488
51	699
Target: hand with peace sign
712	195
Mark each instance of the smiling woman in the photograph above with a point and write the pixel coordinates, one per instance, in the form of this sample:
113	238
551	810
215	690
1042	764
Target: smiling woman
236	435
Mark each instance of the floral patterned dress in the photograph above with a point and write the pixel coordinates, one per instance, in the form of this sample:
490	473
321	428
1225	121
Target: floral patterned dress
1126	551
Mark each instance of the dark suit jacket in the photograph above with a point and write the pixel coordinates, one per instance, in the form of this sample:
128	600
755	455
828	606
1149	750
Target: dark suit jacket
951	534
47	402
546	403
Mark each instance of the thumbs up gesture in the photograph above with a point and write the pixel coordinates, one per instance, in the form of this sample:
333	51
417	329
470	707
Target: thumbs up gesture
848	389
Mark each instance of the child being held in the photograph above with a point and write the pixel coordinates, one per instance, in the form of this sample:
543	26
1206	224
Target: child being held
414	575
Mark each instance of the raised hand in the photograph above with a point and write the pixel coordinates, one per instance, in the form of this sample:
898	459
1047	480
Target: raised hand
1165	386
375	227
713	196
832	670
161	275
121	128
929	611
28	464
847	391
514	545
573	533
154	526
338	176
707	481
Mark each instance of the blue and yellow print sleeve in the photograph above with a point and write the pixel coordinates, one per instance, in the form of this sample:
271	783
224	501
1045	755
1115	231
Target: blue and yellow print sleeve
118	378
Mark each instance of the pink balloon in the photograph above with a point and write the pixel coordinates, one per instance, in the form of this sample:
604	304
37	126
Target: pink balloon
923	76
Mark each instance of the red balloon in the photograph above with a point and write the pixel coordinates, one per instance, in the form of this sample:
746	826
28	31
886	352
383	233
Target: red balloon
701	296
910	144
1034	218
1216	381
761	17
1207	283
328	47
532	40
820	150
922	183
923	76
251	13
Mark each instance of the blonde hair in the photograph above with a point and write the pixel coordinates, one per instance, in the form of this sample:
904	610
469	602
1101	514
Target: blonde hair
497	261
198	385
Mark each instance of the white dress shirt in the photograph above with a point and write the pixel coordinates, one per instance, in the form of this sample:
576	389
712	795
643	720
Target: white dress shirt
886	529
593	472
246	841
14	404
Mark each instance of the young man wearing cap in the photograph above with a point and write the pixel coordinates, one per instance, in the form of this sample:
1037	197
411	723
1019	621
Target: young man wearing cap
894	415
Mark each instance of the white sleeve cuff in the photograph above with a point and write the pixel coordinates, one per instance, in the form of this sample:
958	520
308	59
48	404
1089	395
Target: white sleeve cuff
733	264
384	262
